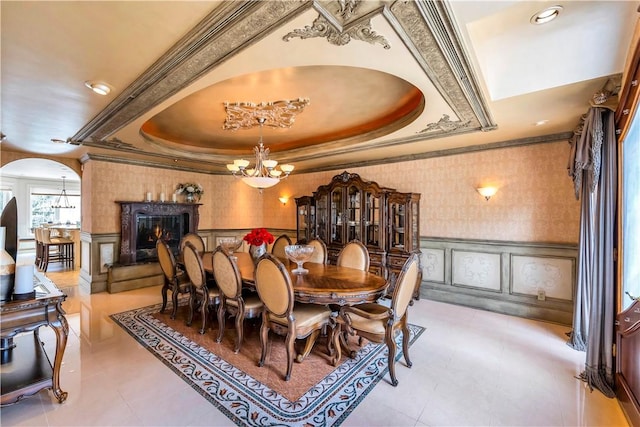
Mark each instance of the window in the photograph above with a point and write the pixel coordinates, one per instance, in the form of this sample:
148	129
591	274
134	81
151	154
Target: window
41	202
5	194
631	212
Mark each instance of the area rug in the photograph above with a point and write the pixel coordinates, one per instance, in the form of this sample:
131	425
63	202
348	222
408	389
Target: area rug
318	394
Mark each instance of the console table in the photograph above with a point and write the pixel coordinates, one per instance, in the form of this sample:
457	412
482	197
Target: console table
25	367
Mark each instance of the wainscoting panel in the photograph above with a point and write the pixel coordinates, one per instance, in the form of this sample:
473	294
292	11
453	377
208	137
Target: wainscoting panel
532	280
476	270
433	265
552	276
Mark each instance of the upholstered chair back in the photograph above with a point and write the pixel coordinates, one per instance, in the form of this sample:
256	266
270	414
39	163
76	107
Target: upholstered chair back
193	265
278	247
354	255
274	286
405	286
45	235
226	274
166	259
195	240
319	255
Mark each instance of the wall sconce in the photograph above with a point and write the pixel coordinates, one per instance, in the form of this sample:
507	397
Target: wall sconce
487	192
283	200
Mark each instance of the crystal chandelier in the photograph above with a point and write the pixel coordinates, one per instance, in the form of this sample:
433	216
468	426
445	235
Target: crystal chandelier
63	198
264	173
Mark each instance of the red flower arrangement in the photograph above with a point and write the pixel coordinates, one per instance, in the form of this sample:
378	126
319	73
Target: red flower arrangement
258	236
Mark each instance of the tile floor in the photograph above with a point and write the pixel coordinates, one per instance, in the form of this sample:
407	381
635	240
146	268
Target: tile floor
470	368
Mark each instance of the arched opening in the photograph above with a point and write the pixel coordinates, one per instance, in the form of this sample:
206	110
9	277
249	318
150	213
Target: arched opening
37	185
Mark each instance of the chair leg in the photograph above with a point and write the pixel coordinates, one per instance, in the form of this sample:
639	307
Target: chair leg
239	329
45	259
164	297
311	340
221	318
391	345
174	300
290	343
204	312
264	337
405	342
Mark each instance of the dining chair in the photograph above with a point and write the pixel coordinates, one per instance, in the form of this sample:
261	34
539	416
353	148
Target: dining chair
278	247
195	240
281	314
55	249
203	296
232	301
175	280
320	253
354	255
38	239
379	323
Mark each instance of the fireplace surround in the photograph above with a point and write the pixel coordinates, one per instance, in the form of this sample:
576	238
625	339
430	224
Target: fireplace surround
143	223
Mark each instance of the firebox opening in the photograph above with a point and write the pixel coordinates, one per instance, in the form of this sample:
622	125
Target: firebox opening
150	228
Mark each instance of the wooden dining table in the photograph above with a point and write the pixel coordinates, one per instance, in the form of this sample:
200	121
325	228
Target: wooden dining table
323	284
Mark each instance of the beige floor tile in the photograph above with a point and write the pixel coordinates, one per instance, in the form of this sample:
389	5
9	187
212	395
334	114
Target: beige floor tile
470	367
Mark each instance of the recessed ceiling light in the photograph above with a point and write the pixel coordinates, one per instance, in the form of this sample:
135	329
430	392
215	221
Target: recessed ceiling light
58	141
100	88
541	122
546	15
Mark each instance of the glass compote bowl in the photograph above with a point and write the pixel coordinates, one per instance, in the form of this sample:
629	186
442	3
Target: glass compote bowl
230	244
299	254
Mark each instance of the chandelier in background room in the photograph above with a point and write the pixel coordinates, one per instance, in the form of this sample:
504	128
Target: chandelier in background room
62	202
264	173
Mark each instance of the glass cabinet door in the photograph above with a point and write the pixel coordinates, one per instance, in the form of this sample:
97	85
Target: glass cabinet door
372	218
397	211
303	222
322	217
336	219
353	214
306	218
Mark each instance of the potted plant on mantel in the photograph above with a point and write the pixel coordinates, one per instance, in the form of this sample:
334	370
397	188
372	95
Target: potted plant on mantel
192	192
258	238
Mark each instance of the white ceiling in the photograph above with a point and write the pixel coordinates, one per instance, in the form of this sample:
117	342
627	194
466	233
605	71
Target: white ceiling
518	74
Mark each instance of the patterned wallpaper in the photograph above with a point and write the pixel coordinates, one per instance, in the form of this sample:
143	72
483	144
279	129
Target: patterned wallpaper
534	202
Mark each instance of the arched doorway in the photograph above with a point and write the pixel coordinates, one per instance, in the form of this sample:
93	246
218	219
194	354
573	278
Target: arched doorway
37	185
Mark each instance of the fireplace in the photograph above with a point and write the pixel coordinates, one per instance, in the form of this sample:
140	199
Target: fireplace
143	223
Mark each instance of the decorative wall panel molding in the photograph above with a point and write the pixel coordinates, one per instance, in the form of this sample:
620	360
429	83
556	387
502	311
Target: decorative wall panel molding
433	265
476	270
552	276
504	277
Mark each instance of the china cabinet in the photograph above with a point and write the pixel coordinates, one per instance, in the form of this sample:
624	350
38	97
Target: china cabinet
350	208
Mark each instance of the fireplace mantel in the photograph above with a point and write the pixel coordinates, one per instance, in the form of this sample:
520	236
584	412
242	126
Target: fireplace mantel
130	211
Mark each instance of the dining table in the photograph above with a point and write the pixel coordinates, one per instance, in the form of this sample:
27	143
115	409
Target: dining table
324	284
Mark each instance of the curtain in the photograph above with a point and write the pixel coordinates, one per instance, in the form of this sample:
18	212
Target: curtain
593	168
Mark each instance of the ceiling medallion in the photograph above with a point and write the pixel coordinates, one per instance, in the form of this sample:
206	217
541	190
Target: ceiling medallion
245	115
